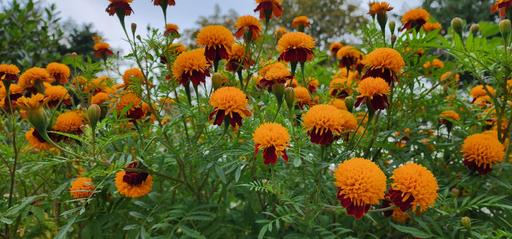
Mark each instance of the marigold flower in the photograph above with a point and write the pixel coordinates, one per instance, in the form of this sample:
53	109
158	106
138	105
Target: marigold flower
339	104
296	47
325	123
269	9
483	101
217	40
481	152
301	22
36	141
344	73
238	59
360	183
160	2
100	98
248	27
34	102
340	87
276	73
230	105
9	73
450	114
414	186
96	85
379	8
432	26
133	76
34	77
59	72
385	63
57	94
335	47
481	90
102	50
374	92
273	138
349	56
133	181
81	187
70	122
171	29
136	108
449	76
191	66
15	92
415	18
119	7
501	6
279	32
302	97
313	85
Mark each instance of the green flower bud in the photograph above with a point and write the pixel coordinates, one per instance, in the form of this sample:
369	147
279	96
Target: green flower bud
466	222
93	115
457	25
38	118
505	28
218	80
474	29
134	28
278	91
392	26
289	96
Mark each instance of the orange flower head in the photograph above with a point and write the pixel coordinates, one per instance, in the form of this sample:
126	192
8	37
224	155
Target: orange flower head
81	187
273	139
136	109
269	9
432	26
276	73
325	123
120	7
414	186
340	87
415	18
482	151
481	90
279	32
230	105
450	114
296	47
164	2
301	22
216	40
176	48
59	72
374	92
191	66
379	8
100	98
248	27
57	94
313	85
133	181
97	85
33	77
349	56
34	102
171	29
238	59
102	50
360	183
335	47
133	76
501	6
70	122
302	96
9	73
36	141
339	104
385	63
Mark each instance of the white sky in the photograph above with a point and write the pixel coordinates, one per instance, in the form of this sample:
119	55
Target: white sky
184	14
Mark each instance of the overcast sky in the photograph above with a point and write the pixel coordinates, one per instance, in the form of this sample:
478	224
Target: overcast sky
184	14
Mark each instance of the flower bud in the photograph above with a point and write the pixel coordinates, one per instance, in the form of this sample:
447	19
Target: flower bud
474	29
134	28
93	115
289	97
393	39
457	25
392	25
505	28
382	19
278	91
465	222
349	102
218	80
38	118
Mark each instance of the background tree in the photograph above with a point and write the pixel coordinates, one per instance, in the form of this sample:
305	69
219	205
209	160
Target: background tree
472	11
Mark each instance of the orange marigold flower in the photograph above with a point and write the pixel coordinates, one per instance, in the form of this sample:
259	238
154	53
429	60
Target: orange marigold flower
171	29
136	108
481	152
437	63
432	26
173	49
33	102
279	32
119	7
248	27
335	47
349	56
313	85
269	9
57	94
97	85
238	59
414	186
70	122
36	141
501	6
302	97
102	50
415	18
15	92
296	47
449	76
325	123
301	22
339	103
276	73
385	63
340	87
34	77
230	105
133	181
273	138
379	8
100	98
133	76
374	92
59	72
450	114
343	73
360	183
167	2
81	187
481	90
216	40
191	66
9	73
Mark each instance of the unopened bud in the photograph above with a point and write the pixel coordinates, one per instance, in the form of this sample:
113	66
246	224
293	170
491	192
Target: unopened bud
218	80
93	115
382	19
505	28
278	90
393	39
349	102
474	29
38	118
457	25
392	25
134	28
289	97
465	222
